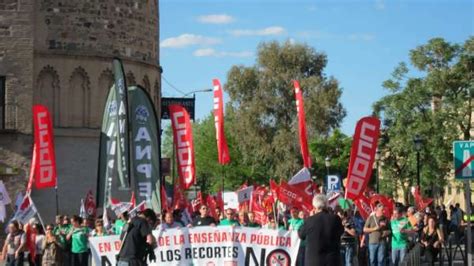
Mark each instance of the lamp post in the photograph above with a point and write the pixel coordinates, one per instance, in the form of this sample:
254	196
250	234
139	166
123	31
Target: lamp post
418	141
377	175
196	91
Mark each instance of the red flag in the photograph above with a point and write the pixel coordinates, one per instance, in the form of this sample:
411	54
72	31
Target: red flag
90	204
222	149
44	159
30	240
387	202
133	200
302	124
363	150
363	205
220	201
293	197
164	199
421	203
183	140
212	205
260	213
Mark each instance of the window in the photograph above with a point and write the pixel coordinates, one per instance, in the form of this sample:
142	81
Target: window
2	101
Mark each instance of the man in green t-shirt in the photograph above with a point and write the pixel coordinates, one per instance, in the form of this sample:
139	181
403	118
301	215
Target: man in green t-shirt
229	218
120	223
400	226
294	224
252	222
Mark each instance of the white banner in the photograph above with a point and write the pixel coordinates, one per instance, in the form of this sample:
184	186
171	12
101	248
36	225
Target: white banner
211	246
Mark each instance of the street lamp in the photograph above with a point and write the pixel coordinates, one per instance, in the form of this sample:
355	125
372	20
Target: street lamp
327	162
418	141
195	91
377	159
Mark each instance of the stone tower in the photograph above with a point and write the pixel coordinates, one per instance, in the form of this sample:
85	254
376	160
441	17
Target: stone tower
59	53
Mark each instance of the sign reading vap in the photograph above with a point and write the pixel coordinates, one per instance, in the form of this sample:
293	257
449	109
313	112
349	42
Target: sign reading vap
463	159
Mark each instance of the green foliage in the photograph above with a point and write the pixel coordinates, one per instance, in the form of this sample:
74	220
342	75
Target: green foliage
263	109
337	147
436	106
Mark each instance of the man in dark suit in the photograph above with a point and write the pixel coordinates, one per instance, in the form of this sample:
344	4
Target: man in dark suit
322	232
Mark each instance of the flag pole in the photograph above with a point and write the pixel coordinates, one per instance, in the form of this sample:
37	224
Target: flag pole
57	198
37	212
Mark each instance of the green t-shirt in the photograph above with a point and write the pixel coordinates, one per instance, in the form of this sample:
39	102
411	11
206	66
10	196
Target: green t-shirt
253	225
399	240
228	222
79	240
119	224
295	224
61	232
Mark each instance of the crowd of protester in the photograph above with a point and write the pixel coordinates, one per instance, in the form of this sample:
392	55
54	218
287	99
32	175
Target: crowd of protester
376	241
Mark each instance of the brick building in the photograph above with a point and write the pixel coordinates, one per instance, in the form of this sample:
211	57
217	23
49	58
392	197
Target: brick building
59	53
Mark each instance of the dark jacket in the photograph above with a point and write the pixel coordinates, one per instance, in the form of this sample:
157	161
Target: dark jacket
322	233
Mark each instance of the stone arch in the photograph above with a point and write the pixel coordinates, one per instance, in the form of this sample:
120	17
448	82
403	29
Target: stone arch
130	79
99	97
47	92
156	97
78	100
146	84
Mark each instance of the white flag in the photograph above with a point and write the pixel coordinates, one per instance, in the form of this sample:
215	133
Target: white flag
244	194
82	211
4	197
302	176
25	211
3	213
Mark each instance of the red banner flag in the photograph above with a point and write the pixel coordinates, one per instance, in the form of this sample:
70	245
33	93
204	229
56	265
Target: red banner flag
302	125
44	158
387	202
363	205
364	146
259	212
90	204
293	197
183	141
421	203
212	205
220	201
222	149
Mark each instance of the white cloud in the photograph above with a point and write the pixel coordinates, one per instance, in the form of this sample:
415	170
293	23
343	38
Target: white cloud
209	52
275	30
379	4
216	19
187	39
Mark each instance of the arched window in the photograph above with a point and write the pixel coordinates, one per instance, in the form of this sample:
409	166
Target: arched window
78	99
47	92
130	79
99	97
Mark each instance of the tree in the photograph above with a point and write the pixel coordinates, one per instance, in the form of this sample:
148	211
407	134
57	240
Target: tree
337	147
263	110
436	106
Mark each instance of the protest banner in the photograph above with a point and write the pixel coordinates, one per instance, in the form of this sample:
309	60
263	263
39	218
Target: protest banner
210	246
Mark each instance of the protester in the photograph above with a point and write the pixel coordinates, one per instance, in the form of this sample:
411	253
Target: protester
377	228
138	241
204	219
51	248
400	227
79	242
39	240
271	224
99	229
61	231
348	238
431	240
15	245
252	222
120	223
322	233
411	216
242	218
295	223
229	218
169	222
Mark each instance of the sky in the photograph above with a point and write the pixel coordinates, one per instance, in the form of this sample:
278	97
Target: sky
363	40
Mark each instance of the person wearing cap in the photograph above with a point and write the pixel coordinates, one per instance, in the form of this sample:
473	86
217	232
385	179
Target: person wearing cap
376	226
137	240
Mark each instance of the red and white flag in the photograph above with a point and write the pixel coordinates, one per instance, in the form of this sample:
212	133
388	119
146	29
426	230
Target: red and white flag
364	146
292	197
302	181
183	140
26	210
302	124
421	203
120	207
89	204
44	160
222	149
386	201
363	205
